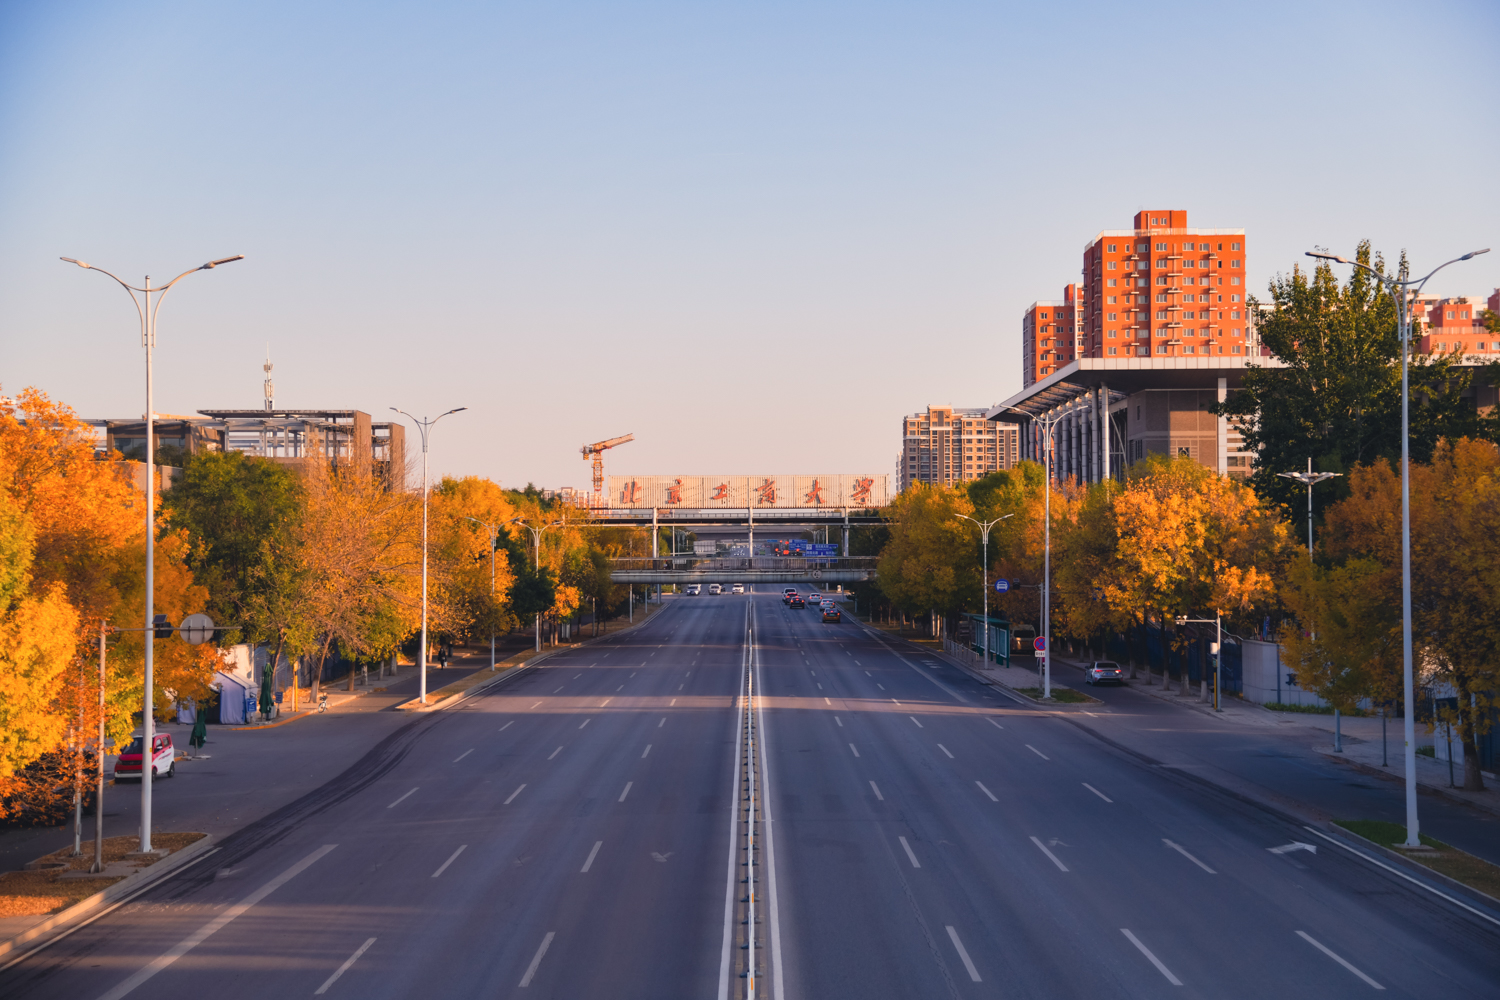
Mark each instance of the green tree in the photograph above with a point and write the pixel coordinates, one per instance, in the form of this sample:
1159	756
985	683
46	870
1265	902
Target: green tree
931	562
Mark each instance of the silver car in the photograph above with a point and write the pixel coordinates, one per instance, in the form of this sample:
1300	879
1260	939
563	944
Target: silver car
1103	672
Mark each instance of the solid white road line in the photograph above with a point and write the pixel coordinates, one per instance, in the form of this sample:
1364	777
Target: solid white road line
855	749
514	794
996	724
451	858
503	728
1037	752
1337	958
403	798
463	755
945	750
914	719
592	854
645	751
986	791
1394	871
734	824
586	722
876	789
215	925
1178	848
1059	864
536	959
554	753
909	855
778	986
1154	960
625	792
344	968
963	954
1096	791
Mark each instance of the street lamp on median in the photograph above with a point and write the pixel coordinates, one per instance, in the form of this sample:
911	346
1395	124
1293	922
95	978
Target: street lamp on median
536	535
1048	425
424	427
1311	479
147	313
494	530
1403	289
984	534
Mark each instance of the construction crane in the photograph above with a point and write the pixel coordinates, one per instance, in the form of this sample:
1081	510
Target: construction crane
596	452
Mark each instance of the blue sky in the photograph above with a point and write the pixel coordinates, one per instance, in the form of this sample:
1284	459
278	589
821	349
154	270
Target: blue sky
753	235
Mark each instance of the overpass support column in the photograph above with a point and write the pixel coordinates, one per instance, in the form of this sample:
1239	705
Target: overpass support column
655	547
846	532
1223	431
1103	432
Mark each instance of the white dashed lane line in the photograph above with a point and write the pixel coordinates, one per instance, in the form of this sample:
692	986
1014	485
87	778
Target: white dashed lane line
1096	791
451	858
909	854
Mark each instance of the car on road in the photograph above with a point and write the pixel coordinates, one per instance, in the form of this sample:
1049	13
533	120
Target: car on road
1022	638
163	758
788	594
714	590
815	598
1103	672
738	588
693	589
831	613
796	602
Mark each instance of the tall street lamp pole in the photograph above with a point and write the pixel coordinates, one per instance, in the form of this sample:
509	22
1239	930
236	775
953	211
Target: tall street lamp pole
494	530
984	535
147	313
536	535
1311	479
1048	423
424	427
1402	289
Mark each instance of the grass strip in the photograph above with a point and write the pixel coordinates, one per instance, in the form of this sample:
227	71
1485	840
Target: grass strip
1445	859
1064	695
38	893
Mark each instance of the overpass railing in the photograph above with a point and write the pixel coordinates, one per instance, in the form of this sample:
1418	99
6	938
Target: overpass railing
732	564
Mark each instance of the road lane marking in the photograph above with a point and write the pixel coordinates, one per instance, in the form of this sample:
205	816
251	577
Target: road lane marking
554	753
909	854
681	686
403	798
1043	847
897	702
876	789
592	854
996	724
503	728
868	674
585	722
820	687
645	751
986	791
1337	958
625	792
344	968
215	925
945	750
914	719
1037	752
963	954
451	858
620	688
559	688
576	676
609	699
839	721
1096	791
513	795
534	706
536	959
1154	960
463	755
1179	849
663	722
855	749
670	704
1393	871
880	685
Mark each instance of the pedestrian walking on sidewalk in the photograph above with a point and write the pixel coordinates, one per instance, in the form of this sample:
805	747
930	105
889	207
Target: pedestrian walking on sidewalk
442	657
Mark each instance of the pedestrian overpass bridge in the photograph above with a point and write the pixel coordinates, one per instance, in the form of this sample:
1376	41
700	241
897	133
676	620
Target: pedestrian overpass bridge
742	569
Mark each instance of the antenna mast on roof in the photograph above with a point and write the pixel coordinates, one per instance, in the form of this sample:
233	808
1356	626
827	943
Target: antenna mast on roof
270	385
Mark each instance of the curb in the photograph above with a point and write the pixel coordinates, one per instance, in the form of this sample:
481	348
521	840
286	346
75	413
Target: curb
1414	868
49	930
1435	790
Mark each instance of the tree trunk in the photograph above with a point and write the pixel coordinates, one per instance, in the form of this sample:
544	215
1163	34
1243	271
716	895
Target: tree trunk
1467	730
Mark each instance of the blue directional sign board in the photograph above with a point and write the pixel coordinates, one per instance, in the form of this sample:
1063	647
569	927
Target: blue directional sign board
1001	586
819	550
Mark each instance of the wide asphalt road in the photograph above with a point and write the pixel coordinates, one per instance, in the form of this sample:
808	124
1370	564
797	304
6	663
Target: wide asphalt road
573	834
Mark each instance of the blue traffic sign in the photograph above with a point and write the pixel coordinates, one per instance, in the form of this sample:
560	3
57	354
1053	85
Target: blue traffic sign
1040	644
1001	586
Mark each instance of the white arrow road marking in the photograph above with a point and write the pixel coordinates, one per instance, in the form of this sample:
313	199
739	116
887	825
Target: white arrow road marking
661	857
1178	848
1295	845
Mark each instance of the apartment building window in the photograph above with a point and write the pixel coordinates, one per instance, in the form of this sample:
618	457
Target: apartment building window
1161	348
1113	350
1161	248
1162	297
1234	246
1161	314
1189	263
1234	298
1232	281
1111	334
1234	349
1112	317
1234	263
1112	283
1111	265
1234	314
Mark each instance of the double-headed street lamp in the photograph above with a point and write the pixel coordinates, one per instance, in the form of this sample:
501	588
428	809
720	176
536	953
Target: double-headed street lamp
984	535
1403	289
536	535
1311	479
1048	425
424	426
494	530
147	313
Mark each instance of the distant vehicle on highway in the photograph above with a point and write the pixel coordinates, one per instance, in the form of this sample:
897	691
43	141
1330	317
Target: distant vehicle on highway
831	613
1103	672
788	594
738	588
815	598
693	589
1021	639
797	602
163	759
713	590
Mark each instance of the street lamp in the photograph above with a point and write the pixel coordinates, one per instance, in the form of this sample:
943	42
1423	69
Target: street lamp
1048	425
494	530
1218	623
1402	289
536	535
1311	479
984	534
147	313
424	427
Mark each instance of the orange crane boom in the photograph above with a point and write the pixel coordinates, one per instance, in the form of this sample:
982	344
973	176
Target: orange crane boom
596	452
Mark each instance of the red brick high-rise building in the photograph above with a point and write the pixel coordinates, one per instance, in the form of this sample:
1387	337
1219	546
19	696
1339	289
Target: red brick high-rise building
1050	335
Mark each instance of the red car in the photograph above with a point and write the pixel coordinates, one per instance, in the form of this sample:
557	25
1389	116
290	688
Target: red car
163	758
